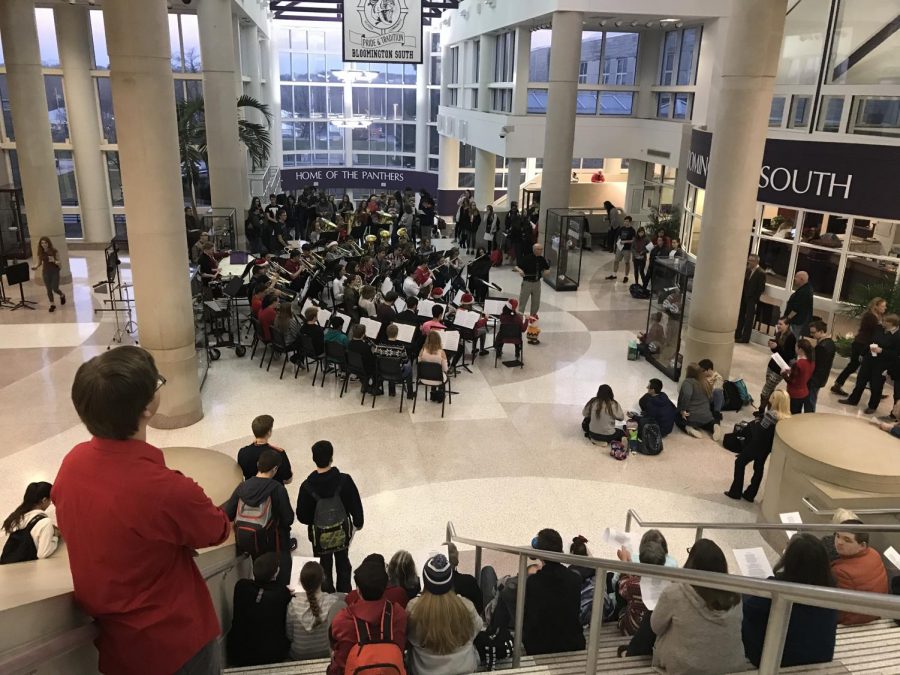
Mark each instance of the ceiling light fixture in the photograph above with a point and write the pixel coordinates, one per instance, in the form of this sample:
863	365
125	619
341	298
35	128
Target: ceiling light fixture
618	24
668	20
634	23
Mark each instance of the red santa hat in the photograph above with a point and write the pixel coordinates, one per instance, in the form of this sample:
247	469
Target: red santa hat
513	304
466	299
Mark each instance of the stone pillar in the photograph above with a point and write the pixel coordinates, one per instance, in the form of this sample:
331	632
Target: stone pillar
514	179
523	60
137	36
448	176
227	164
272	71
739	136
485	169
28	102
559	137
423	102
250	67
74	40
485	72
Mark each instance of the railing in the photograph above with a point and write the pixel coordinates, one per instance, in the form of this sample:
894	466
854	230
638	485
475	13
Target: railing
793	527
782	594
31	656
860	512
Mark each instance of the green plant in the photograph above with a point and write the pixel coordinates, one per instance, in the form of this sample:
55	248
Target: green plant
670	222
843	345
861	296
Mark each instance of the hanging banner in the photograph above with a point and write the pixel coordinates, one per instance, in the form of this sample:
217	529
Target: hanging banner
383	31
377	180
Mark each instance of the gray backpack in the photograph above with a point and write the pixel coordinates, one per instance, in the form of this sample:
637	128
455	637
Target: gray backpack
330	531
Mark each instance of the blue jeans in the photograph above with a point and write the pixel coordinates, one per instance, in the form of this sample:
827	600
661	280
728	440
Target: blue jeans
813	397
718	399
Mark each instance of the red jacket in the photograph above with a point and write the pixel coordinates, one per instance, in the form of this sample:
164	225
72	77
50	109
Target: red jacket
798	378
393	593
266	319
343	629
862	572
131	526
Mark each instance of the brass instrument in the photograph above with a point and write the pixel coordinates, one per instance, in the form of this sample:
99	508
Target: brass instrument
326	225
401	233
371	238
385	234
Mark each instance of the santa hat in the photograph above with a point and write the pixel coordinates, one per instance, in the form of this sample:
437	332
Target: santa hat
437	293
513	304
261	262
331	244
466	299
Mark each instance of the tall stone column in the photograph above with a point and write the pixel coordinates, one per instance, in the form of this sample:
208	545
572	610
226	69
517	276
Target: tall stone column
485	169
559	137
227	164
749	64
137	36
422	103
74	40
514	179
34	146
250	67
485	71
448	175
523	61
271	68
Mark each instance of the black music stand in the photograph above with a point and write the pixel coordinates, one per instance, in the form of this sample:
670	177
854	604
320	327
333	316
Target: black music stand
19	274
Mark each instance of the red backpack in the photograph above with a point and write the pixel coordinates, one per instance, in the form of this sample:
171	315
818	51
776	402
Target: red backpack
375	655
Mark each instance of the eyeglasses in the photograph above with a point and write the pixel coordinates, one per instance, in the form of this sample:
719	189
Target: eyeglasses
160	382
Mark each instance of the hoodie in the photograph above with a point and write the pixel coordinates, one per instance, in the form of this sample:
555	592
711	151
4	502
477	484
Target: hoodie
325	485
253	492
660	409
685	628
310	641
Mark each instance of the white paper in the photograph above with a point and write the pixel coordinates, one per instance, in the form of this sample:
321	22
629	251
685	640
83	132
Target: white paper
793	517
618	538
425	308
323	317
444	244
651	589
449	340
373	327
494	307
346	327
457	299
405	332
297	563
400	305
780	362
649	247
619	245
387	286
891	554
465	318
753	562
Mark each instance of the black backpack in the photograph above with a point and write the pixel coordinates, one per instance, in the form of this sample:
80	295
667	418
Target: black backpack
638	292
330	530
650	436
20	546
733	398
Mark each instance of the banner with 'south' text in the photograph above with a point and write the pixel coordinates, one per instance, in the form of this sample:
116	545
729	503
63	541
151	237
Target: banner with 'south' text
383	31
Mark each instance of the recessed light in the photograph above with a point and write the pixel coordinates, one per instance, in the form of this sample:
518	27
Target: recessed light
667	20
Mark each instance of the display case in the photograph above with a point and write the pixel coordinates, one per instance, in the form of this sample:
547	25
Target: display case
221	223
201	341
563	238
670	304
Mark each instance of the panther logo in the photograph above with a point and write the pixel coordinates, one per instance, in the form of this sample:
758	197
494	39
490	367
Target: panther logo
382	16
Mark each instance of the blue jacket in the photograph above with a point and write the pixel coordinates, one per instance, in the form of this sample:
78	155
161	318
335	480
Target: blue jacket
810	636
660	409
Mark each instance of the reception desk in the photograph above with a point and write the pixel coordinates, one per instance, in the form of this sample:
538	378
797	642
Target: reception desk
834	461
37	606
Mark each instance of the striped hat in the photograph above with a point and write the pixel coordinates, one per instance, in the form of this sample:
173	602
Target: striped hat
438	575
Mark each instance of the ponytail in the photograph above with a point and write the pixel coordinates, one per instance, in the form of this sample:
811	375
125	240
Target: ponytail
311	577
35	493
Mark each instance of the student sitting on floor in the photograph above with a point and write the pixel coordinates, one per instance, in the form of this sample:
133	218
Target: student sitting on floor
600	416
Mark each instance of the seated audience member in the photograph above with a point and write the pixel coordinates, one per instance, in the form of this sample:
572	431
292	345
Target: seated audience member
371	581
893	428
312	328
629	586
392	348
840	516
436	322
257	636
858	568
39	537
657	536
402	573
579	547
465	585
335	333
657	406
359	345
442	625
694	405
255	492
248	456
758	447
688	620
267	313
811	631
310	614
600	416
716	381
552	604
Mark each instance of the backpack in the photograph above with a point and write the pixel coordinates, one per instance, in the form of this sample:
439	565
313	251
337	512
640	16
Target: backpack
733	398
650	436
586	605
20	546
330	530
617	451
744	392
638	292
254	528
375	655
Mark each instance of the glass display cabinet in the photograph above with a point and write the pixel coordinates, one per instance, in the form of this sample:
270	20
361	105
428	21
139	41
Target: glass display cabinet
563	239
670	302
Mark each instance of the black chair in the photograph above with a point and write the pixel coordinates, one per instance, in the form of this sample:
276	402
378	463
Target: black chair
390	370
432	375
335	361
258	339
357	366
307	352
509	334
279	345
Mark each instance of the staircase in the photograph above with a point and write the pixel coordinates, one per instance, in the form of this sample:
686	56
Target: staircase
874	648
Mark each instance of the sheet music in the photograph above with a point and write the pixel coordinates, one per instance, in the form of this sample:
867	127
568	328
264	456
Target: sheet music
457	299
494	306
386	286
651	589
323	317
405	332
753	562
346	327
793	517
400	305
213	305
449	340
465	318
891	554
425	308
444	244
618	538
373	327
780	362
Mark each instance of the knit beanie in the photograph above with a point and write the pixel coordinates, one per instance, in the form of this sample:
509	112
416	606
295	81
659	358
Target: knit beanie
438	575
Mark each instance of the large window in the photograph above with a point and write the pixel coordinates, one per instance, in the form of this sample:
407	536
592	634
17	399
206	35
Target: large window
184	42
681	49
46	29
505	57
866	47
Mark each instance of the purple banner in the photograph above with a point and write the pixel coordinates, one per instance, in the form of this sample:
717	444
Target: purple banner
387	180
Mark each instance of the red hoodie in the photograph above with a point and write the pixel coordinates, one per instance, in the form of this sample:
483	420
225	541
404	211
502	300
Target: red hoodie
343	629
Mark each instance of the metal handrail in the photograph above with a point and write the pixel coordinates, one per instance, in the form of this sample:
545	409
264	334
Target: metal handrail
632	515
27	659
783	595
860	512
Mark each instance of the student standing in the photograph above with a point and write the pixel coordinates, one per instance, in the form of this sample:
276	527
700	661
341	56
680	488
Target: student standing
133	569
798	377
48	261
824	358
249	455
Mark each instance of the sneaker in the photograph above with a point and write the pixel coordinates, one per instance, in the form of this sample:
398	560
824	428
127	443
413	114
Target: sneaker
691	431
52	308
869	411
717	433
731	496
837	389
847	401
62	299
624	280
611	277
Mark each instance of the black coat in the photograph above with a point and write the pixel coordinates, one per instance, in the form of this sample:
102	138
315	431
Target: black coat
810	635
325	485
257	634
754	285
552	605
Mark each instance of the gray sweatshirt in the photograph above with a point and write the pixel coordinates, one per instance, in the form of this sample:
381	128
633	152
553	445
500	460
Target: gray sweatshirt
309	641
693	399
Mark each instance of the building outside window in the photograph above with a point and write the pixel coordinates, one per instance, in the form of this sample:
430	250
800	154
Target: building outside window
678	68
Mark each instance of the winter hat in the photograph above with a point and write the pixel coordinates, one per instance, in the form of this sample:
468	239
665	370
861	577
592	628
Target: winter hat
438	575
437	293
466	299
513	304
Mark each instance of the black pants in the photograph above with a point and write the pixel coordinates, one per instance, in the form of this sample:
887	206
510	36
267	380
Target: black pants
857	351
871	374
641	273
746	317
745	456
682	424
643	641
344	571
